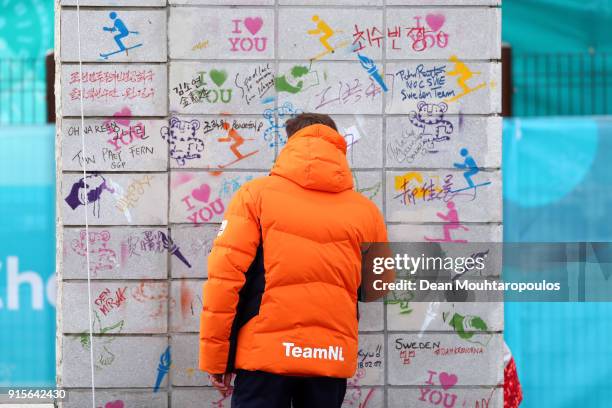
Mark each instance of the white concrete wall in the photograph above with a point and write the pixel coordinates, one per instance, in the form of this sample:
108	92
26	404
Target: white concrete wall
155	120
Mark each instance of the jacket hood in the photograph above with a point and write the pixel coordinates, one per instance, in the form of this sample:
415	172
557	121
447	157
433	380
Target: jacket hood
315	158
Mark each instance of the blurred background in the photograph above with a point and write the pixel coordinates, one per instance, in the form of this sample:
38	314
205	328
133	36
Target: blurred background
557	140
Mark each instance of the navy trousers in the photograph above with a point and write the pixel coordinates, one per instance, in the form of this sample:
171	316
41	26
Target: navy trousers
258	389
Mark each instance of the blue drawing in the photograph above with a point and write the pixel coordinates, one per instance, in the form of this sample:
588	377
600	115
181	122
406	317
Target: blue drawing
122	32
472	169
164	366
273	134
370	66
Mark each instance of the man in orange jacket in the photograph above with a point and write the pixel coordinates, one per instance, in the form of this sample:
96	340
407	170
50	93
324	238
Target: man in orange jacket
280	304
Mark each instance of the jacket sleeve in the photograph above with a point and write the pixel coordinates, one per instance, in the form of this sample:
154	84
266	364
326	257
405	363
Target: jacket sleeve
232	253
377	248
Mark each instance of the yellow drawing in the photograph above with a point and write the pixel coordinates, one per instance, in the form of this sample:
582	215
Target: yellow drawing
326	33
325	29
463	74
201	45
402	183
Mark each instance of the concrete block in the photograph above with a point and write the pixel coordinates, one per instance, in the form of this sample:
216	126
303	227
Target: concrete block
221	33
202	197
120	361
434	316
107	89
332	88
115	3
370	360
198	397
117	306
363	135
369	183
114	144
120	398
146	41
428	138
115	199
439	33
443	3
220	142
330	2
224	2
417	233
360	397
185	371
185	305
421	196
445	359
195	242
426	397
221	87
371	316
115	253
360	31
466	87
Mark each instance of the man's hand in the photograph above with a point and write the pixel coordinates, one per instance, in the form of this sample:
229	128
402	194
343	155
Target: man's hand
222	382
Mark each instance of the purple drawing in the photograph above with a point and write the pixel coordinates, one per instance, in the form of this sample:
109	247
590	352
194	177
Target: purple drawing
88	190
173	248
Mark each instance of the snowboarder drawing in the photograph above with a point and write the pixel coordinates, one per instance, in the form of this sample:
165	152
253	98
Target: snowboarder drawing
122	32
468	164
452	223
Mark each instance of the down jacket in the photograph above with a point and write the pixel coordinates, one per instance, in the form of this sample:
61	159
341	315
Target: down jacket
285	269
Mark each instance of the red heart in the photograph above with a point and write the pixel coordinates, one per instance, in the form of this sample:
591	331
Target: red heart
202	193
114	404
124	116
447	380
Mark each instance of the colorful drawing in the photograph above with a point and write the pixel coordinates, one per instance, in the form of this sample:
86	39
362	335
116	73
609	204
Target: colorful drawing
101	257
173	248
122	32
298	79
253	25
452	223
463	74
369	65
422	38
430	120
274	134
325	32
165	361
181	136
472	169
88	190
234	136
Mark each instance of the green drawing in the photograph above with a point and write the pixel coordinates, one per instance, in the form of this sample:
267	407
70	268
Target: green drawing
218	76
369	192
289	85
467	326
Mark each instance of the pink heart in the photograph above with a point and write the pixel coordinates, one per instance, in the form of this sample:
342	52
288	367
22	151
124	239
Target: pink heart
447	380
114	404
435	21
123	115
253	24
201	194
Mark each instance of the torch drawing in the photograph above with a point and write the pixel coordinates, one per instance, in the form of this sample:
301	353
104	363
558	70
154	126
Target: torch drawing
173	249
162	369
369	65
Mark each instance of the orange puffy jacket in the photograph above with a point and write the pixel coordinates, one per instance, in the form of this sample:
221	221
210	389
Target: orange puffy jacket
285	269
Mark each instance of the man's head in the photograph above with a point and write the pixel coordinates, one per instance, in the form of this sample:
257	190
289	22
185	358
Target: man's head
306	119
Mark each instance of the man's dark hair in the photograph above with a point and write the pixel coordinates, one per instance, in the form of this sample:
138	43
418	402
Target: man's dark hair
306	119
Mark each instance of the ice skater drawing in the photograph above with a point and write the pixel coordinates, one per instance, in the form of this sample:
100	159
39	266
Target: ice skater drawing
452	223
122	32
472	169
